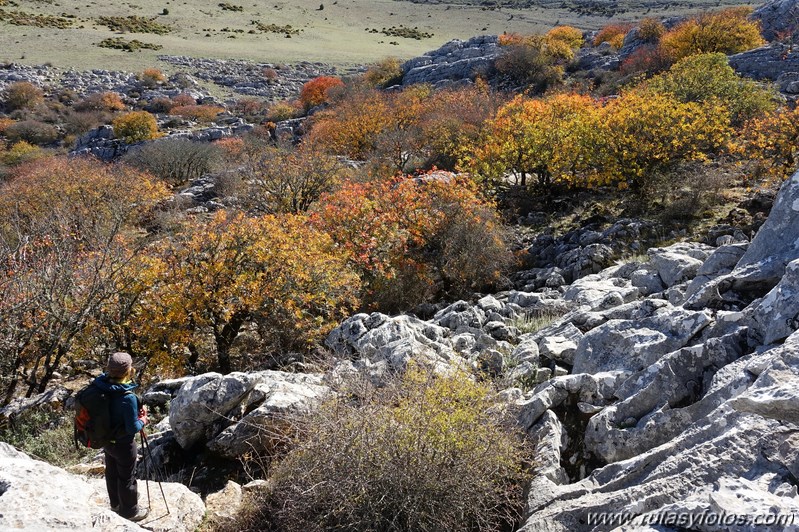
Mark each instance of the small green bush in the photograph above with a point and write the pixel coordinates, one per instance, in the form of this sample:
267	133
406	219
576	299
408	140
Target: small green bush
46	435
118	43
134	24
274	28
176	161
21	18
426	453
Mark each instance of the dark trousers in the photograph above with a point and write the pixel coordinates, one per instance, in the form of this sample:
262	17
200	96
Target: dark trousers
120	476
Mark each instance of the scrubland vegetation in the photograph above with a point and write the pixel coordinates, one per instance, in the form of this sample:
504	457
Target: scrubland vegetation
103	256
388	234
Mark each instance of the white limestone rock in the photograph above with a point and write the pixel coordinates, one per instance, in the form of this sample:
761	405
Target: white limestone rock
35	495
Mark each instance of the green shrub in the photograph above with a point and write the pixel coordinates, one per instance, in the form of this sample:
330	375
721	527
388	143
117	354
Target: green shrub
46	435
425	453
708	77
176	161
528	63
134	24
119	43
384	73
22	18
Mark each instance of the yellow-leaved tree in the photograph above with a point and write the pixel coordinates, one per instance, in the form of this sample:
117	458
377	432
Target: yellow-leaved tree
276	273
728	31
550	140
645	134
772	141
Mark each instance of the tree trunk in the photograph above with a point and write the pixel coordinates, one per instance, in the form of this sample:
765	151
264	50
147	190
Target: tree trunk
224	340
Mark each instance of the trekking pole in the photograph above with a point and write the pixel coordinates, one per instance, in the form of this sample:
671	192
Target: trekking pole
146	468
146	445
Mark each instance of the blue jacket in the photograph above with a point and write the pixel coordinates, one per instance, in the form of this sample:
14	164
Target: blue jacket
124	407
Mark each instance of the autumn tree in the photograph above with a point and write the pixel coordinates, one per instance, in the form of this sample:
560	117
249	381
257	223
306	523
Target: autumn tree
563	42
384	73
414	240
706	77
646	134
549	140
65	236
772	141
317	91
369	125
22	95
453	121
101	101
287	179
204	114
135	127
612	34
728	31
530	62
277	273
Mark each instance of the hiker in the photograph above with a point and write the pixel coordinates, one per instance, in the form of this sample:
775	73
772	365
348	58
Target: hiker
127	419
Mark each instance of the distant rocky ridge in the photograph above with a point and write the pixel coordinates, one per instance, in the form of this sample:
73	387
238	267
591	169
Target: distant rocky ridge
241	77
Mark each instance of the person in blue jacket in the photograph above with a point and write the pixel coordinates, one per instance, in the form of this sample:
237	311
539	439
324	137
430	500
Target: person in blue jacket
127	419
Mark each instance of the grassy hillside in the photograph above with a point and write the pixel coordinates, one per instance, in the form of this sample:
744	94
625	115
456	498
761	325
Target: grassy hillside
66	33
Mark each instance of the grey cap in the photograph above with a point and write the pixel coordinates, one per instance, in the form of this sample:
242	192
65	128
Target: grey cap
119	364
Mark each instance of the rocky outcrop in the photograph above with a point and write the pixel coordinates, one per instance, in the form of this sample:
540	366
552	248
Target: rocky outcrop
227	412
264	80
773	62
763	264
700	417
557	261
703	464
455	61
35	495
776	16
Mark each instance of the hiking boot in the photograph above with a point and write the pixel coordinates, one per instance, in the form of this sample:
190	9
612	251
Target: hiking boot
138	516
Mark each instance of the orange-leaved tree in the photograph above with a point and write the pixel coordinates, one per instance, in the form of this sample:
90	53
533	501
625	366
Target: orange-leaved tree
317	91
415	239
277	273
612	34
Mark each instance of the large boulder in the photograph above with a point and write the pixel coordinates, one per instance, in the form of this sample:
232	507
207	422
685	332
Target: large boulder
764	263
276	399
632	345
454	61
661	401
776	316
750	436
776	16
395	340
35	495
679	262
210	403
205	404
